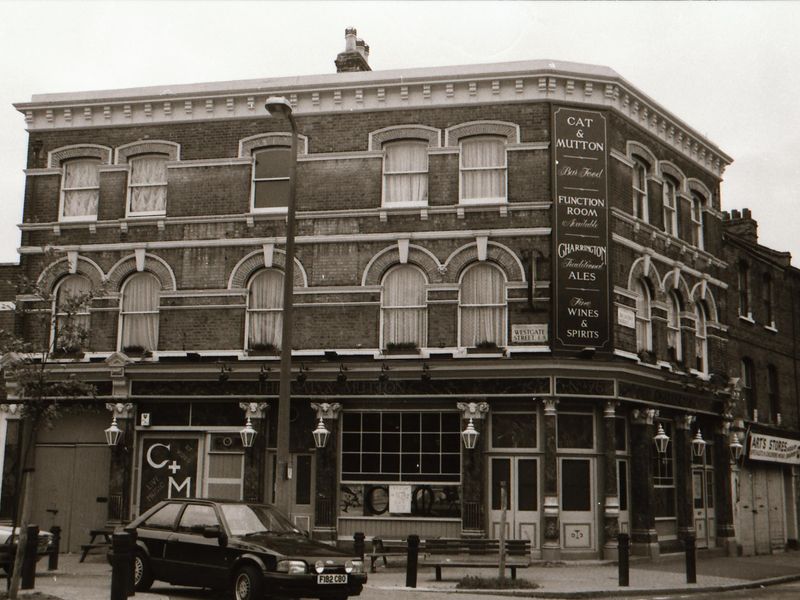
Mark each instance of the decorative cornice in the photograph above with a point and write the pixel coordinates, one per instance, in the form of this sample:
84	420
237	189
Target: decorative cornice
326	410
473	410
254	410
524	81
120	410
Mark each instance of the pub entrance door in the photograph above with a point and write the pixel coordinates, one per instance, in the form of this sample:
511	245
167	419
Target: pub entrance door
521	474
578	502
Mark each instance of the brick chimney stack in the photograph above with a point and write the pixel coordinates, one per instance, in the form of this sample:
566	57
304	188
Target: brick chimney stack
742	225
355	55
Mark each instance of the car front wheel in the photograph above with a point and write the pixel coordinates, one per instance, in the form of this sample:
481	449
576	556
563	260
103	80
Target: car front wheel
248	584
142	573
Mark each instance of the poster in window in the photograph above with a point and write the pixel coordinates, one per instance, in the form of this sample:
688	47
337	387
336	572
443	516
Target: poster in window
400	499
169	470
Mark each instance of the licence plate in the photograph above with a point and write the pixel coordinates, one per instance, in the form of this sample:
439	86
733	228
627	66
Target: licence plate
324	579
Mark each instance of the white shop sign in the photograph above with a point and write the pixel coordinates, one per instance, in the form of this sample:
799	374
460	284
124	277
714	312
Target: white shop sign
774	449
626	317
529	334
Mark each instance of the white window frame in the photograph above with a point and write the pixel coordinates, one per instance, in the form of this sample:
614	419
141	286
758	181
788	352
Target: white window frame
123	313
674	328
641	208
249	311
129	212
697	221
254	180
462	169
669	201
423	307
58	314
504	304
701	337
643	321
404	204
62	196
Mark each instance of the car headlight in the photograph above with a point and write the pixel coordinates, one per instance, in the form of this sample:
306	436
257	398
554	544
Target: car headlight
292	567
354	566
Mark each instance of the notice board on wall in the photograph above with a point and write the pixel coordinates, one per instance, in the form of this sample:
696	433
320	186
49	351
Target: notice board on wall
168	470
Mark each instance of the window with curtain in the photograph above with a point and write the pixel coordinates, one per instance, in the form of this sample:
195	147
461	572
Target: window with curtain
405	314
640	202
71	310
80	189
482	306
265	310
766	291
697	220
670	202
772	391
405	173
701	337
483	169
147	184
664	476
744	290
140	299
748	387
271	177
674	325
644	334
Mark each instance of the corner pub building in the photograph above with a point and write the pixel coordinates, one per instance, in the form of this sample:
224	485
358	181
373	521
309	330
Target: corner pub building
530	249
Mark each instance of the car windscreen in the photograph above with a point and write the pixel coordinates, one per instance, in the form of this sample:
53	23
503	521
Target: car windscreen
244	519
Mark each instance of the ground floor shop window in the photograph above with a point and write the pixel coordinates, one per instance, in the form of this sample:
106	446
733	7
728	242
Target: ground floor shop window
664	476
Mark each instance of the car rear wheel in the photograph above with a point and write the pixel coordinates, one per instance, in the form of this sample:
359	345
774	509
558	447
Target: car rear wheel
142	573
248	584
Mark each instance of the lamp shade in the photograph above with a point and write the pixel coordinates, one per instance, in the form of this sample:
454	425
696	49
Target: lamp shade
113	433
248	434
470	436
736	448
321	434
661	440
278	106
698	445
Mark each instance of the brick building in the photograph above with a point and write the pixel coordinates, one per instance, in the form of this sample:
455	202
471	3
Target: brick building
533	249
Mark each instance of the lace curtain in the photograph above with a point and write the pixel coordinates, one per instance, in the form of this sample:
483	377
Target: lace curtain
81	187
140	311
405	317
483	173
72	322
148	184
405	169
482	305
264	309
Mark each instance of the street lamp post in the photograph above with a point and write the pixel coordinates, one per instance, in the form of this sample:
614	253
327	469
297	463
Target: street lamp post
278	106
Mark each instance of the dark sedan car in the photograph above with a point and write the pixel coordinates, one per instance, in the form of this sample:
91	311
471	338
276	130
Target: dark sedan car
250	549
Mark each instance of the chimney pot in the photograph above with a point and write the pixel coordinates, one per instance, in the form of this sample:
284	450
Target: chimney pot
350	39
355	55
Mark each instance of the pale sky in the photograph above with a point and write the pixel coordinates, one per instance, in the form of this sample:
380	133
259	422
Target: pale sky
730	70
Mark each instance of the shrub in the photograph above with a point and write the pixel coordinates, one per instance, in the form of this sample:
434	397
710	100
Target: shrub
474	582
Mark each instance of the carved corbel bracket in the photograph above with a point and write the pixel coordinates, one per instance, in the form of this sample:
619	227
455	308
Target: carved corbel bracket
685	422
550	406
13	410
610	409
254	410
120	410
473	410
327	410
643	416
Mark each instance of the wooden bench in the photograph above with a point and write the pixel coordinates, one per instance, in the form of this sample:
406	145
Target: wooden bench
105	533
383	549
475	553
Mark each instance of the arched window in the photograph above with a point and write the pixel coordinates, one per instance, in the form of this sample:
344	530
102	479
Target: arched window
744	291
766	291
482	306
670	203
405	173
644	331
640	200
271	178
698	202
773	393
403	305
147	184
80	189
749	389
139	313
674	326
483	169
265	310
701	337
71	311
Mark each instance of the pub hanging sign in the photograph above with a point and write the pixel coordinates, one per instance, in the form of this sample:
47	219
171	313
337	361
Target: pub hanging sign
580	230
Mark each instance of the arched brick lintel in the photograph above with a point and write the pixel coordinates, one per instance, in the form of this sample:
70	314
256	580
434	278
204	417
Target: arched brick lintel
254	261
495	253
152	263
60	268
390	256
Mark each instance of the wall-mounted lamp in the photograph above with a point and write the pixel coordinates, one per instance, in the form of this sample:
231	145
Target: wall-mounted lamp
384	376
113	433
321	434
302	374
224	373
470	436
342	376
661	440
426	373
698	445
736	448
248	434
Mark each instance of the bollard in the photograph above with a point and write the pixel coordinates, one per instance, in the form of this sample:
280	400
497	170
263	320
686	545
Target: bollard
28	579
358	544
121	565
55	548
691	558
132	570
623	551
411	561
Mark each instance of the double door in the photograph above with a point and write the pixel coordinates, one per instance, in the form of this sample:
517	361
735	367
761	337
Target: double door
519	476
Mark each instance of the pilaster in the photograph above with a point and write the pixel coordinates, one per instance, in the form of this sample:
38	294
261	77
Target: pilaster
121	464
473	475
255	458
611	503
684	498
551	548
644	538
325	502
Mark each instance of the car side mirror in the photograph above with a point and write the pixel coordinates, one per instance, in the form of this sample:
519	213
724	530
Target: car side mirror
215	531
